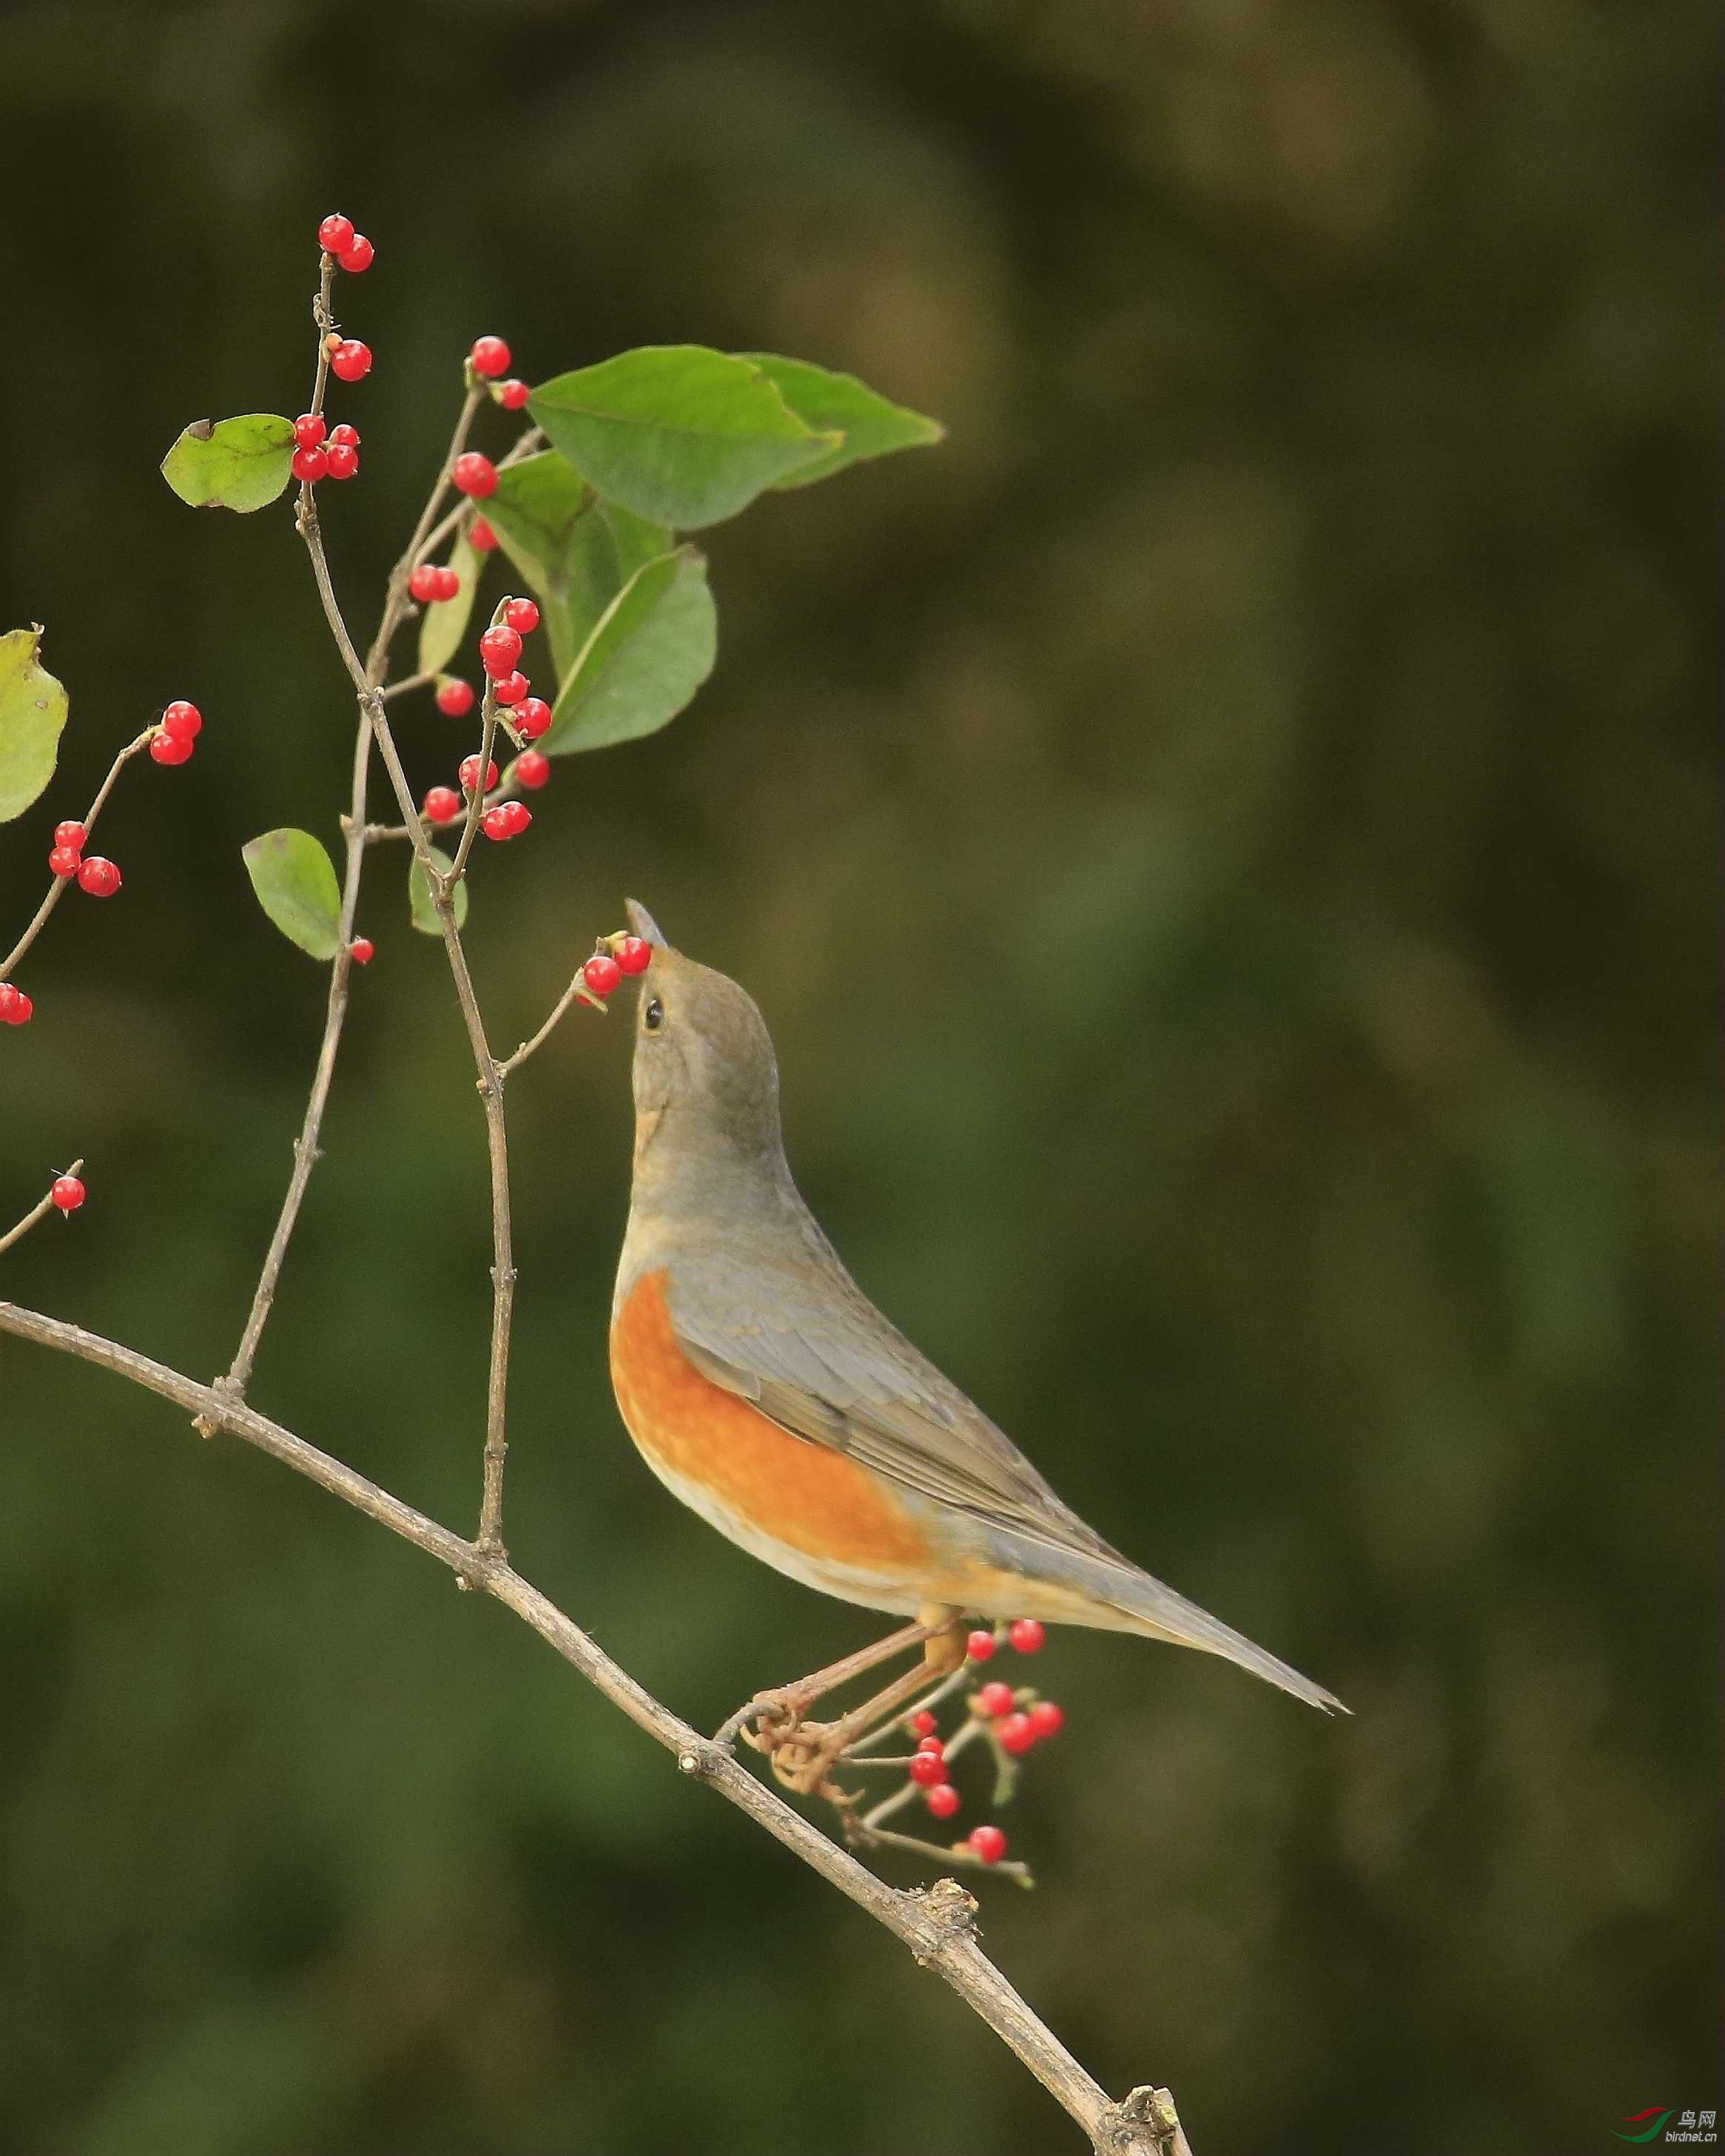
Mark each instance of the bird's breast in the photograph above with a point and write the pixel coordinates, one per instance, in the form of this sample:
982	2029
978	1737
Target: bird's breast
743	1471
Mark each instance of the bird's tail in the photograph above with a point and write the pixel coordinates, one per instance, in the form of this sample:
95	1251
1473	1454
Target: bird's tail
1146	1606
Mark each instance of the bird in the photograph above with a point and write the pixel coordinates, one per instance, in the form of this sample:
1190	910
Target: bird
767	1393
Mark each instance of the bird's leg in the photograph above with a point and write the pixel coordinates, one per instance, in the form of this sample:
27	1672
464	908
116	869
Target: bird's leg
802	1765
778	1715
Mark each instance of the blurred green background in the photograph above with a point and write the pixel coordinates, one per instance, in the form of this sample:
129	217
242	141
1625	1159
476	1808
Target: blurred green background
1226	846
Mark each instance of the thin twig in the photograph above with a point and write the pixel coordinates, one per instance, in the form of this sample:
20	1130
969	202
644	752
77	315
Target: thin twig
40	1210
478	801
408	683
490	1079
936	1923
577	992
58	884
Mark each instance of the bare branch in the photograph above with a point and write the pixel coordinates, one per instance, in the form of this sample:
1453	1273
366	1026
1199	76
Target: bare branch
577	992
936	1923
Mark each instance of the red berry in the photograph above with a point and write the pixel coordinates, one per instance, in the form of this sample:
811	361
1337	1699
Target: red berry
943	1800
475	474
71	834
15	1006
334	233
165	749
635	957
520	816
480	536
422	585
184	722
343	460
1016	1734
601	973
532	717
498	649
442	805
522	614
979	1646
359	254
1046	1719
513	395
63	861
309	429
994	1700
469	771
1026	1634
926	1769
308	466
531	770
489	355
351	359
362	950
507	820
66	1192
449	582
932	1744
455	696
98	877
988	1843
512	689
344	438
923	1723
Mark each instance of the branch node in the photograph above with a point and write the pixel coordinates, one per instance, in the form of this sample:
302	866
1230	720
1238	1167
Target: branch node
950	1907
1145	2120
702	1762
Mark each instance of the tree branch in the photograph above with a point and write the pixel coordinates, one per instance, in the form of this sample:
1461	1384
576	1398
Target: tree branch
936	1923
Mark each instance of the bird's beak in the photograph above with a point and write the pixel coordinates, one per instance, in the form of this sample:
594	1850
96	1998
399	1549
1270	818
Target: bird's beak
645	926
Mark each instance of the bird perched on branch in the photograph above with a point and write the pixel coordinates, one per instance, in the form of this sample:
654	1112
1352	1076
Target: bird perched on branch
765	1389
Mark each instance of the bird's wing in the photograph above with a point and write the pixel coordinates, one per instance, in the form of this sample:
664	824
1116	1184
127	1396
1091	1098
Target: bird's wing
841	1375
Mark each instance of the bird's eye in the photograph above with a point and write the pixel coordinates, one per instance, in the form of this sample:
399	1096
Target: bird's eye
654	1016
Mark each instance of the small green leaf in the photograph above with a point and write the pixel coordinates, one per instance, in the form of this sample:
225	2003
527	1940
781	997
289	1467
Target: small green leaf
32	710
533	512
237	464
422	908
677	433
872	427
295	883
576	552
649	653
1006	1774
443	623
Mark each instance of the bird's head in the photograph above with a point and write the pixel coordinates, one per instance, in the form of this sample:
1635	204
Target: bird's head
705	1079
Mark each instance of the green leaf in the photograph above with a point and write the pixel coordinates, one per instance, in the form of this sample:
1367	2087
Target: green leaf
237	464
295	883
870	426
649	653
422	909
676	433
576	551
32	710
443	623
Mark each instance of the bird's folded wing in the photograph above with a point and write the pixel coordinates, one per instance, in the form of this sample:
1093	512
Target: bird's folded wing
849	1380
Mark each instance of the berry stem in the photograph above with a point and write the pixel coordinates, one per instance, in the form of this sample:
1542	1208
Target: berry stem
39	1211
57	885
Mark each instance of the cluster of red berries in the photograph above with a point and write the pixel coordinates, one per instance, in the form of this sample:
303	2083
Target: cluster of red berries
352	251
433	580
98	877
489	358
323	451
67	1192
16	1008
1015	1730
171	742
603	972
